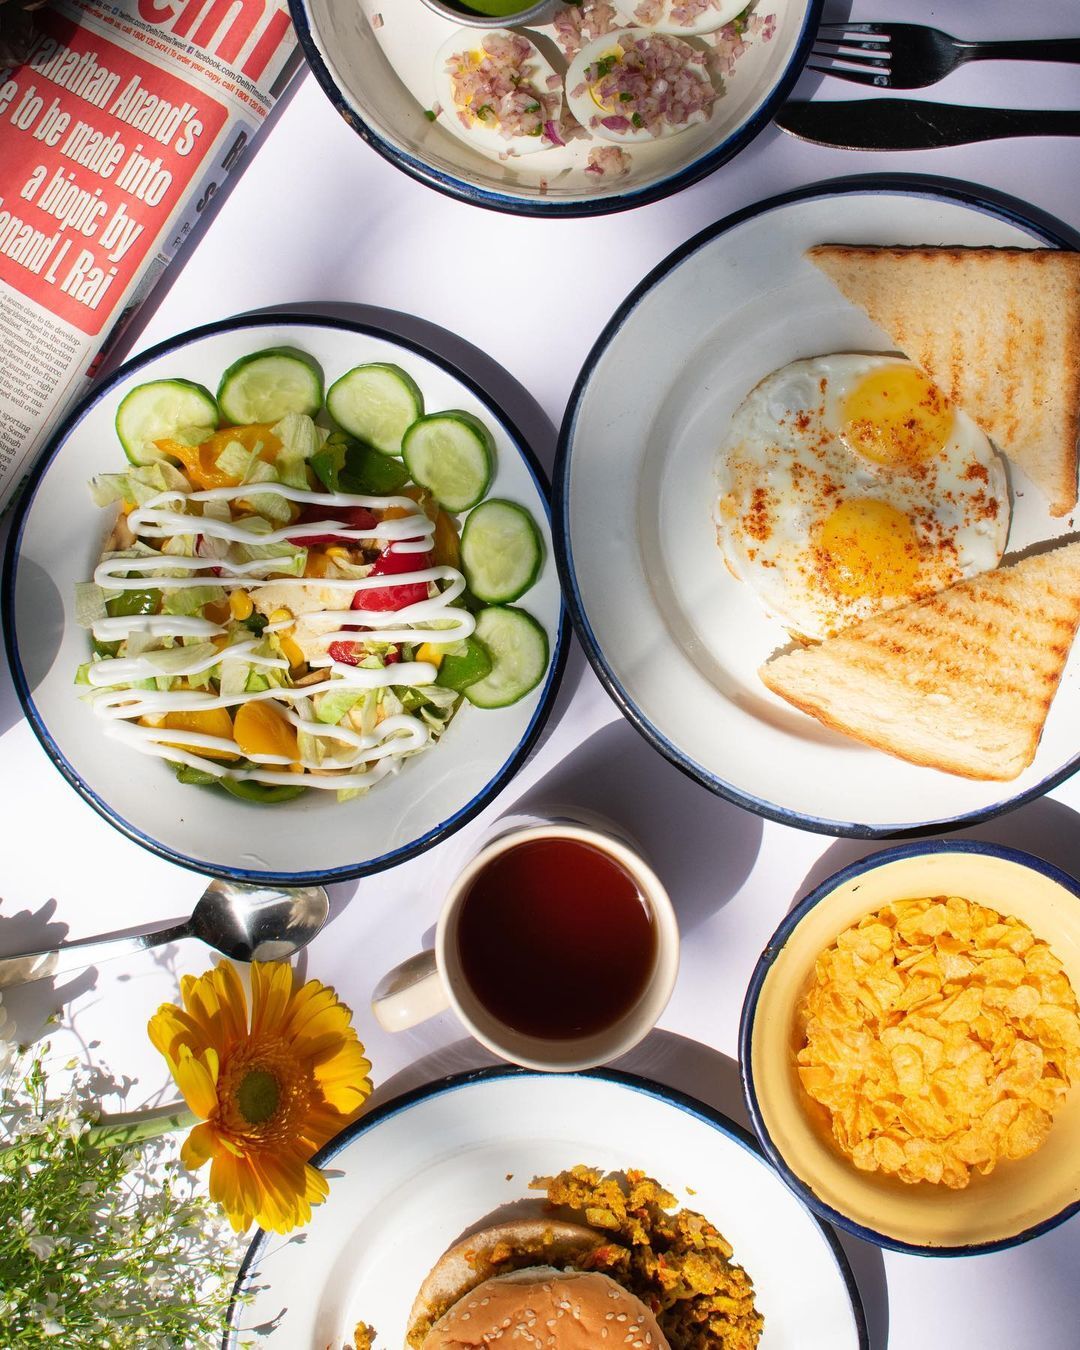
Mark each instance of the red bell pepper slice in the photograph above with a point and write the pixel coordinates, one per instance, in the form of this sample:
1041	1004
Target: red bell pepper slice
389	563
352	517
384	599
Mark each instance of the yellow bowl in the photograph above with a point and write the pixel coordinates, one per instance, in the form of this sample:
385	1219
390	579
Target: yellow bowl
1018	1200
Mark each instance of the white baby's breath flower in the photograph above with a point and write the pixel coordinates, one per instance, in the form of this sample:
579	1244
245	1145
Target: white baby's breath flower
41	1245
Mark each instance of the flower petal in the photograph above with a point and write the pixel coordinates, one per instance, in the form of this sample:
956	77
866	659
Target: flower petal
215	1002
171	1027
271	993
290	1186
197	1081
199	1147
309	1003
347	1072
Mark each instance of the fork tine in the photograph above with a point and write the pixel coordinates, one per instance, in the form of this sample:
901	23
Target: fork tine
868	29
854	59
858	76
871	49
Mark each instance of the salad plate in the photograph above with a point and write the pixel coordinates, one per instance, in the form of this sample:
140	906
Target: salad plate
640	444
415	1174
383	67
339	796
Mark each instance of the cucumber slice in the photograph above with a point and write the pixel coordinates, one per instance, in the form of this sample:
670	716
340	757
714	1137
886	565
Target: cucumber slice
451	454
173	409
265	386
501	551
458	672
376	403
518	648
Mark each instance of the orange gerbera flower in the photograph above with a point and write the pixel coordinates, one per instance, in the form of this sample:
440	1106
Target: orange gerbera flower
269	1091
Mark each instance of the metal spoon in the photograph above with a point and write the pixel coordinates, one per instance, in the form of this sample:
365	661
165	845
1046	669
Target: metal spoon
247	923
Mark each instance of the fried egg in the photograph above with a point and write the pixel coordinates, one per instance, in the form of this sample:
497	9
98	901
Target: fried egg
634	85
849	485
496	91
686	17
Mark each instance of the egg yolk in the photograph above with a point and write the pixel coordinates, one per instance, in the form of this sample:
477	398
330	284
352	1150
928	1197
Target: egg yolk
895	416
603	67
868	549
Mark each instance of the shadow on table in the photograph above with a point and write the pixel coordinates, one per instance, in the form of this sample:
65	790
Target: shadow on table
34	1006
689	1067
507	393
702	848
1046	828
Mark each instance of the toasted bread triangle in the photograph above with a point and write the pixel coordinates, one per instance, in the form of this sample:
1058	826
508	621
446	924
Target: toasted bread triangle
962	681
997	329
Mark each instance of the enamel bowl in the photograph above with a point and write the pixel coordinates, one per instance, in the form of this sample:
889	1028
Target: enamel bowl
375	61
313	837
1017	1200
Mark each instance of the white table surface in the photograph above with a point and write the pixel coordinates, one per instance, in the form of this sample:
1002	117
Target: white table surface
318	216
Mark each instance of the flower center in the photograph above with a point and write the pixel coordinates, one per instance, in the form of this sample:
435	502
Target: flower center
264	1092
258	1096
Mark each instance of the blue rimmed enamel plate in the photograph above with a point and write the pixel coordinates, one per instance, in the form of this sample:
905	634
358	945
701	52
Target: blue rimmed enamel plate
416	1174
675	638
56	540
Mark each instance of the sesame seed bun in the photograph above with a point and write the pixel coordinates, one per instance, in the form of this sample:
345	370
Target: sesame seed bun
540	1308
528	1242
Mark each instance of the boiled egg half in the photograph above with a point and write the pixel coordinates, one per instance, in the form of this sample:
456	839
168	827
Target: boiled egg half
634	85
497	91
686	17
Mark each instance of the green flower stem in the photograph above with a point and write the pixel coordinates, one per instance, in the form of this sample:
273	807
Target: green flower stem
114	1131
135	1126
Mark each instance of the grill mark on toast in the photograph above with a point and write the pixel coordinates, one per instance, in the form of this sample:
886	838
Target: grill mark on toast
995	646
1015	366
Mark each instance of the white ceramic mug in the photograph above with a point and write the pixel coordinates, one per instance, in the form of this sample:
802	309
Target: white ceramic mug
432	981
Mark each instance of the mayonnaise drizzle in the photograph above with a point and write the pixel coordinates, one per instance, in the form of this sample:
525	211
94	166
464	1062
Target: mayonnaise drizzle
394	736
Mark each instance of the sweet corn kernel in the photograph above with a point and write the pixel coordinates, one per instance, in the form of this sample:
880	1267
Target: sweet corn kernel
336	551
241	605
427	651
281	615
296	767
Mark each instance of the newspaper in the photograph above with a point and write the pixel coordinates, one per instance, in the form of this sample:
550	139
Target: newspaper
114	137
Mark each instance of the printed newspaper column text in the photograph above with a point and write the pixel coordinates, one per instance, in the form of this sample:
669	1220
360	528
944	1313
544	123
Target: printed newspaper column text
37	355
104	146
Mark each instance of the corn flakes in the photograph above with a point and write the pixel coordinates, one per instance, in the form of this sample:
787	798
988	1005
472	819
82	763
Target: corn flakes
940	1036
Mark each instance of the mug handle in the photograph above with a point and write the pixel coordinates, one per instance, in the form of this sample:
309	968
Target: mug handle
410	993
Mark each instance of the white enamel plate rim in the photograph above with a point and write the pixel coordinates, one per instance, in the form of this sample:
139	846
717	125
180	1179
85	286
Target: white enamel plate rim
416	1173
673	637
314	837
